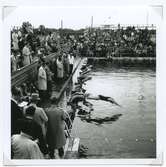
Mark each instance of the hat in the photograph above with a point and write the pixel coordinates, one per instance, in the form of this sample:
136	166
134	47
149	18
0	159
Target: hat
73	91
34	97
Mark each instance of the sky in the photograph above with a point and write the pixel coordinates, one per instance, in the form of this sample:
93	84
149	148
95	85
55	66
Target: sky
80	17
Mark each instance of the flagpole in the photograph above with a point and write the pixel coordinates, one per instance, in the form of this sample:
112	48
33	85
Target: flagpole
147	18
61	24
92	22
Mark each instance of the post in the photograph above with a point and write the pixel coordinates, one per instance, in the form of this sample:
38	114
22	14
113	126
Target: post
61	24
91	22
147	18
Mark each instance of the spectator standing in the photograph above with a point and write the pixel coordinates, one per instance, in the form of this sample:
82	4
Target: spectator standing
55	133
60	69
23	146
21	44
39	116
13	62
49	79
16	112
19	59
15	40
26	55
71	62
66	65
54	68
42	81
35	129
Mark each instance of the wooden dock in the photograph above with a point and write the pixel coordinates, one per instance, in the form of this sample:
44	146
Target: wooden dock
30	71
72	144
71	148
56	94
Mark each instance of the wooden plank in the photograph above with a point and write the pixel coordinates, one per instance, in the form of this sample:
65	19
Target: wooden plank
27	72
71	139
76	145
24	69
24	74
66	146
72	150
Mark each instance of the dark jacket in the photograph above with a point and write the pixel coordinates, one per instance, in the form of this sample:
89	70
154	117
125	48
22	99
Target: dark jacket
55	131
16	114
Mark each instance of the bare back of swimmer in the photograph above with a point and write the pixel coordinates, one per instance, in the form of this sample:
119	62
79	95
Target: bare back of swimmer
101	97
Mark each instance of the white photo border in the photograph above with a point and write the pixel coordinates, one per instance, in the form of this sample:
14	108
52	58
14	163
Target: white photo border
6	107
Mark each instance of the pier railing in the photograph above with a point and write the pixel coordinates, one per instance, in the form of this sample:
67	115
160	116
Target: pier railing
27	73
57	95
24	74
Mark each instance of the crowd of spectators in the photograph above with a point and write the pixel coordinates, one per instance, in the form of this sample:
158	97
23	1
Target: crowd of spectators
29	122
35	132
127	42
29	44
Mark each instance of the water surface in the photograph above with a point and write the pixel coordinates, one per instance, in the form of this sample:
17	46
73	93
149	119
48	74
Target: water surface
133	134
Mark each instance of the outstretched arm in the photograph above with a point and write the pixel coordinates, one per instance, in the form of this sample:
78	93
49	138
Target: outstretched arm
93	97
113	101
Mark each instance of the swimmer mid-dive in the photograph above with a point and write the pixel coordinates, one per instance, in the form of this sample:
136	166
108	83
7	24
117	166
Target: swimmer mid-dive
101	97
80	96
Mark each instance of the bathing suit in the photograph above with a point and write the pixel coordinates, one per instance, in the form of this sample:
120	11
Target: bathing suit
105	98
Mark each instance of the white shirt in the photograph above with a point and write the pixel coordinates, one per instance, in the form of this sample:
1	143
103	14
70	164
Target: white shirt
42	79
26	51
71	59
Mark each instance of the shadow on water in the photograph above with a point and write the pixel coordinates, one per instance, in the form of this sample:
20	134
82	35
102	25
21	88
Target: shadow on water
99	121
